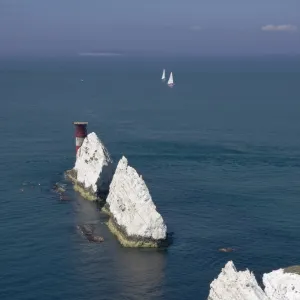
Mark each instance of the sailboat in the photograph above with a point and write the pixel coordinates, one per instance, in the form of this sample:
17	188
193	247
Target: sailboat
171	81
163	77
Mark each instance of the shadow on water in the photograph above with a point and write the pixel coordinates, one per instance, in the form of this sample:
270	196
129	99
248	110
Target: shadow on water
141	272
135	273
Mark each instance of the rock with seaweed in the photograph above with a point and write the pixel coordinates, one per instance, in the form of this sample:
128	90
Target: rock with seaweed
133	215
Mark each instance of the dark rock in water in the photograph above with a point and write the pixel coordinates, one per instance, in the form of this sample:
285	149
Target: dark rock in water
58	188
95	238
87	231
64	198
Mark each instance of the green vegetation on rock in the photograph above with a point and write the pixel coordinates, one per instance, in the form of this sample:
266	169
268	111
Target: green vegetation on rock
105	209
85	193
293	270
124	241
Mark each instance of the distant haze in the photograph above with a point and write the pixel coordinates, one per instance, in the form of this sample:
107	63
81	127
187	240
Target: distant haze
217	27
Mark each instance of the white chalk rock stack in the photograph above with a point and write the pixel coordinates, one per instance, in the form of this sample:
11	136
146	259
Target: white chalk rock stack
93	166
281	285
235	285
242	285
132	208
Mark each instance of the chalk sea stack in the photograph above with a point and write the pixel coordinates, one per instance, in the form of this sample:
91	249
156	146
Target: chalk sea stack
133	215
93	170
282	284
134	218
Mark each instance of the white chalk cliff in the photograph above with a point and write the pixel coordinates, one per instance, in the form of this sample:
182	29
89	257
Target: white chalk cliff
242	285
282	285
234	285
132	207
93	166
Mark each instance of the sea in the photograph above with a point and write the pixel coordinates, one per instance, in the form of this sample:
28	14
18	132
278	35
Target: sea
220	153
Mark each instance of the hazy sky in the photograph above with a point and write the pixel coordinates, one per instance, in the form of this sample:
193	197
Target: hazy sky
183	26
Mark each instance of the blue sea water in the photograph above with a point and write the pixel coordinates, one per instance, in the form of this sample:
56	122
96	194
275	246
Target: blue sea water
220	153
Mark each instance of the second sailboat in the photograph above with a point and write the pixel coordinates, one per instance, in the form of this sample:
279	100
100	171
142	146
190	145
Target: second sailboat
171	80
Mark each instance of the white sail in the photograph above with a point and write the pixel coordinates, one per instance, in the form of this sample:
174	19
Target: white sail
171	81
163	77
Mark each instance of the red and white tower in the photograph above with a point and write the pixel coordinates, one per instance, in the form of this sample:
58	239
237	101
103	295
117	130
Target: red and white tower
80	133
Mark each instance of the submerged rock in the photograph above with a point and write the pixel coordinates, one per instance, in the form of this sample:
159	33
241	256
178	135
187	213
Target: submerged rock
88	232
93	170
242	285
134	218
64	197
58	187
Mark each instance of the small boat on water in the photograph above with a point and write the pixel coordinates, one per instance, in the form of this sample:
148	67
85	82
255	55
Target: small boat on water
163	77
171	80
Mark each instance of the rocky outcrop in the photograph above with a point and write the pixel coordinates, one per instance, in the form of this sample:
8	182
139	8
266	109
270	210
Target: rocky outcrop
282	284
134	218
93	170
133	215
88	231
